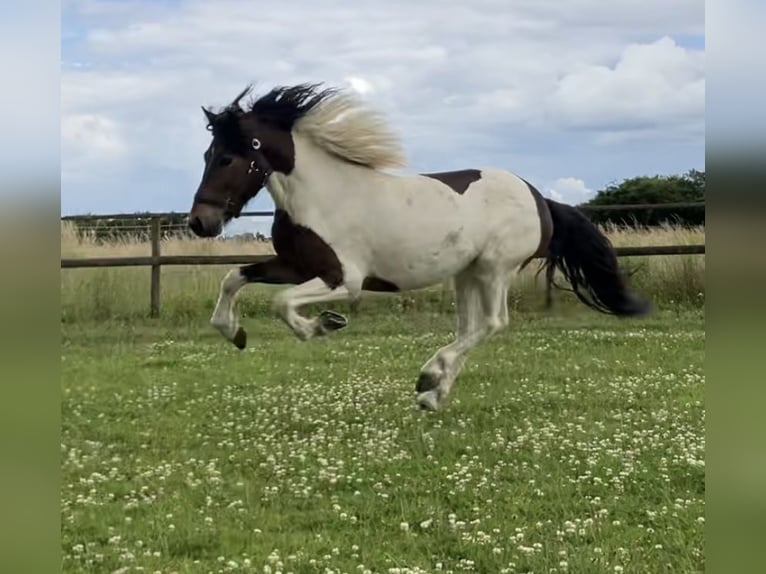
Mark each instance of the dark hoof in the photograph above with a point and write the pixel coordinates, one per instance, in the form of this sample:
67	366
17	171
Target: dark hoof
426	382
240	339
332	321
429	401
425	407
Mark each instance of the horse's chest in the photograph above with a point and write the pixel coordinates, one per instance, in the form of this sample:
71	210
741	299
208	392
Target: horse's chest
304	250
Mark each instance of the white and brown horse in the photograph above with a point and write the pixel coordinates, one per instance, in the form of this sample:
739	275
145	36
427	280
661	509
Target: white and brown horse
343	224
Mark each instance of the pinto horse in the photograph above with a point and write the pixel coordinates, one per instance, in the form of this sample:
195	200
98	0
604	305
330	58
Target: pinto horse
344	224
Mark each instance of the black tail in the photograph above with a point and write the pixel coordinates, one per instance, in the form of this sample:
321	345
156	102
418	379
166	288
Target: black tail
586	258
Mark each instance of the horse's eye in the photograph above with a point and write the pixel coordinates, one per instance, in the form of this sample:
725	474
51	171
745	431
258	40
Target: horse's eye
224	161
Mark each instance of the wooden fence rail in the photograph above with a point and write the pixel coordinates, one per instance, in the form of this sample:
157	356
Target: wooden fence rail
159	215
156	260
162	260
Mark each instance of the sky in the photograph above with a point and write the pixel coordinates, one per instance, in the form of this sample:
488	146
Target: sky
572	95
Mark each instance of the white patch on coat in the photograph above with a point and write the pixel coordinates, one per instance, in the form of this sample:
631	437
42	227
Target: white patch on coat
411	230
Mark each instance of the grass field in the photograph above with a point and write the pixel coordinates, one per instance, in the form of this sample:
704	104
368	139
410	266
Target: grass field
571	444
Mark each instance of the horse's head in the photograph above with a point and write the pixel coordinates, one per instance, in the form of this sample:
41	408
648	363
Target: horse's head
238	162
248	145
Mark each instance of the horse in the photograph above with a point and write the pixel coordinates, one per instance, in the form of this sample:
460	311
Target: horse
346	222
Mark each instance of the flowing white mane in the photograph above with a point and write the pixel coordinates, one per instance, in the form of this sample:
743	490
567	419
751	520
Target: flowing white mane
343	126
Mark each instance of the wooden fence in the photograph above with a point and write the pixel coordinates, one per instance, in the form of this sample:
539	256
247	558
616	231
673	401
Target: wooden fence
156	260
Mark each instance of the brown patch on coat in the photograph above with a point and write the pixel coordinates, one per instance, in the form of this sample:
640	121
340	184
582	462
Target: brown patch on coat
457	180
279	151
302	255
274	271
304	251
546	224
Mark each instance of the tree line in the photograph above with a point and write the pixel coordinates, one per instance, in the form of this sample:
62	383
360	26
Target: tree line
686	188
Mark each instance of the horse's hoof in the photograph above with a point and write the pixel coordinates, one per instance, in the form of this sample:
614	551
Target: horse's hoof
426	382
332	321
428	401
240	339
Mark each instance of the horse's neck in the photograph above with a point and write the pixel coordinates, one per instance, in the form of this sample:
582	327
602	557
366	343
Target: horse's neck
277	188
320	183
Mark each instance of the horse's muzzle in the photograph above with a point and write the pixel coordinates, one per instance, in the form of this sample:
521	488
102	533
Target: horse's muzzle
206	221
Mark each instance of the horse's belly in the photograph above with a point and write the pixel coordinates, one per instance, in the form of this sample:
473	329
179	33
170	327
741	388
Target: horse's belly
427	265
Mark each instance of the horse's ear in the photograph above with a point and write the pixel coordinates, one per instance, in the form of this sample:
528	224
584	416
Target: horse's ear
209	115
234	105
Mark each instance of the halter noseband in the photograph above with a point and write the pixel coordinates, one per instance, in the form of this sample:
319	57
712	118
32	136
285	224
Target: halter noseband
258	164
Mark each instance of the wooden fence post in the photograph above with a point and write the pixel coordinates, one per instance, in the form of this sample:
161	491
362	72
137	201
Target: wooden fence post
155	285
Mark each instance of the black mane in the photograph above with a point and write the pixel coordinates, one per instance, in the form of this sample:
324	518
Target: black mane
285	105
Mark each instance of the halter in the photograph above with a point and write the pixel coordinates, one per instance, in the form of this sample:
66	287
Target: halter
259	164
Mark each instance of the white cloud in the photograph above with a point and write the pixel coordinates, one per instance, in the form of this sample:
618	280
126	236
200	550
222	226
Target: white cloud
360	85
459	81
93	136
569	190
652	84
88	89
639	16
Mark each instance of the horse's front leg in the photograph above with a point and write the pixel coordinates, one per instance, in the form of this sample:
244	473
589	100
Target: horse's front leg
287	302
273	271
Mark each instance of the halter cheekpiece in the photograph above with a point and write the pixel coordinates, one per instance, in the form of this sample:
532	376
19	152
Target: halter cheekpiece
256	145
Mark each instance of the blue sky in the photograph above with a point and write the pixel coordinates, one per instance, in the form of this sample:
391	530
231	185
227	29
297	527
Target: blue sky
570	95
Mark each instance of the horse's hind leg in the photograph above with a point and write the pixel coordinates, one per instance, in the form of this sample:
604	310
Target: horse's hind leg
490	281
316	290
440	372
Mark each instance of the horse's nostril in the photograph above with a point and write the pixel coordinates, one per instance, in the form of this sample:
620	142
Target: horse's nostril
195	223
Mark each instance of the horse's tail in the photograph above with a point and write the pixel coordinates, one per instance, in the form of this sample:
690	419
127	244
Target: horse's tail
586	258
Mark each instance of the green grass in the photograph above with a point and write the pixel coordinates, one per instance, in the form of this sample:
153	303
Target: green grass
571	444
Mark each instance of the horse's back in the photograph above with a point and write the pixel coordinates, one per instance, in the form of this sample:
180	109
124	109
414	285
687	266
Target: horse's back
488	194
426	226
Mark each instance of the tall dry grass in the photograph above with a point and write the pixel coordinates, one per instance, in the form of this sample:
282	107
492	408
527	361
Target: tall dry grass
84	244
191	291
